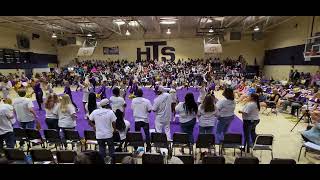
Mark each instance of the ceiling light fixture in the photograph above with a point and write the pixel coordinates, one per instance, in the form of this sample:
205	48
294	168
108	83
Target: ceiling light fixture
89	35
221	18
210	30
133	23
168	31
119	22
128	33
256	28
168	22
54	35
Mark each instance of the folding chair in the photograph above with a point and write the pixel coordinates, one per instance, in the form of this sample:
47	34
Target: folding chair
64	157
41	155
148	158
116	139
309	147
181	140
213	160
72	137
246	160
52	137
90	138
20	134
159	140
206	141
282	161
34	138
233	141
15	156
118	156
263	142
186	159
134	139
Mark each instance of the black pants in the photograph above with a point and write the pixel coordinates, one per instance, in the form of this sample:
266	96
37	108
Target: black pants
39	98
52	123
249	130
74	104
9	138
137	127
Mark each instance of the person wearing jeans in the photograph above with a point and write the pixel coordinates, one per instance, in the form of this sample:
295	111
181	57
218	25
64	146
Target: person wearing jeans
6	128
137	127
207	113
102	147
250	116
188	111
225	107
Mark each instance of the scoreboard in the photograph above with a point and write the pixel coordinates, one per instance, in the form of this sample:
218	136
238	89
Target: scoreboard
11	56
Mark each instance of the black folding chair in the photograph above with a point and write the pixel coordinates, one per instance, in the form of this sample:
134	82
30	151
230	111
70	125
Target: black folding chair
41	155
116	139
181	140
34	138
134	139
90	139
282	161
159	140
15	156
20	134
52	136
246	160
232	141
64	157
186	159
213	160
263	142
148	158
72	137
118	156
206	141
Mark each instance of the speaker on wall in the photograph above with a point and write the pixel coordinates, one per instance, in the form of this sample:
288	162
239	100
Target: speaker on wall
235	35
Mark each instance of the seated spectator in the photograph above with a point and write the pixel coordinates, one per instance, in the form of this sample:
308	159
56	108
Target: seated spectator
89	157
128	160
313	134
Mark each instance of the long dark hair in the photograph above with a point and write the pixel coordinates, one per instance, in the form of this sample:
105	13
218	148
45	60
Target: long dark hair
92	102
228	94
255	98
190	104
208	103
120	125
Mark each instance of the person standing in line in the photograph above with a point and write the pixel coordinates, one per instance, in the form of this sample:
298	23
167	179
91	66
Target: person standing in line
6	124
122	126
116	101
141	108
23	108
162	109
207	113
225	107
104	123
91	105
67	115
67	90
51	108
250	116
188	112
37	90
85	94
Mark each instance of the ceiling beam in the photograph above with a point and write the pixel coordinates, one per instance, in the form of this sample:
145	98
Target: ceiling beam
180	18
30	27
135	18
281	22
156	23
74	24
254	23
233	20
102	25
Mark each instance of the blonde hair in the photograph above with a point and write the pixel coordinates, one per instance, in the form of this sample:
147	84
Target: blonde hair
64	102
8	101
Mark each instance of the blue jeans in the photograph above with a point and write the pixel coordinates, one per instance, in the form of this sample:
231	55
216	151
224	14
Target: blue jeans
26	125
249	130
222	127
205	130
9	139
188	128
52	123
102	147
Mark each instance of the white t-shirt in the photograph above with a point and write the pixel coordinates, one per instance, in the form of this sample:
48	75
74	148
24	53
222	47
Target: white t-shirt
22	107
141	107
52	113
184	115
85	96
65	118
6	111
103	119
162	107
207	119
117	103
226	107
123	134
251	111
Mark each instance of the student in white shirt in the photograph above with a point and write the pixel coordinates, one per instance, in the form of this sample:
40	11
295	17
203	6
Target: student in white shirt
250	116
6	122
207	113
141	108
85	94
162	109
225	107
188	112
104	123
202	91
122	126
51	108
116	101
91	105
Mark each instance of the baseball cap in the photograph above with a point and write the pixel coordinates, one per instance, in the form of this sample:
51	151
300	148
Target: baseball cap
104	102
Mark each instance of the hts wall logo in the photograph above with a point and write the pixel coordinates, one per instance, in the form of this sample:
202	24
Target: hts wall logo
165	51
